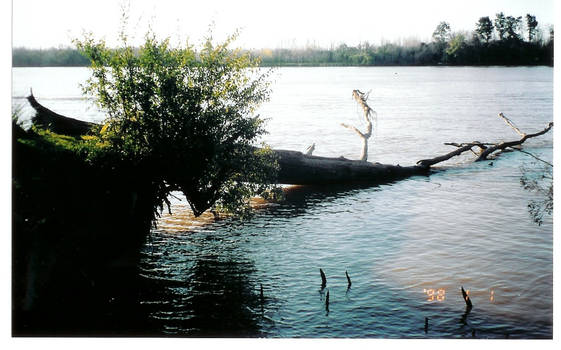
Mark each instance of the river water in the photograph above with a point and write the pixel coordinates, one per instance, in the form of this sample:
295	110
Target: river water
408	246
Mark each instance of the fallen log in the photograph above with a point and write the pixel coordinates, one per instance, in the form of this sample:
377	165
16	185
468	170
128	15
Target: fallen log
296	168
57	123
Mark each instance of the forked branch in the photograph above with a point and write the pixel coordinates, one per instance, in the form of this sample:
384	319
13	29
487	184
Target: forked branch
486	149
361	98
501	146
511	124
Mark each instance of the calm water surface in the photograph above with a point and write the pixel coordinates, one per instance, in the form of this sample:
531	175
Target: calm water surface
408	246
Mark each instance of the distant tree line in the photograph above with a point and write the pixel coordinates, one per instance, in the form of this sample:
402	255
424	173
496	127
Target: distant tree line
54	57
505	40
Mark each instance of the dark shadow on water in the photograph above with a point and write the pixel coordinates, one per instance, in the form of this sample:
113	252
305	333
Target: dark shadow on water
215	296
299	198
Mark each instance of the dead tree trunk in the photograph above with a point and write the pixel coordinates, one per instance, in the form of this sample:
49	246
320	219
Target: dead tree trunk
301	169
297	168
361	98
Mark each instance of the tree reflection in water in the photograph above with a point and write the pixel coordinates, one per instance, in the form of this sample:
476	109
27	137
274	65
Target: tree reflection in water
539	180
200	295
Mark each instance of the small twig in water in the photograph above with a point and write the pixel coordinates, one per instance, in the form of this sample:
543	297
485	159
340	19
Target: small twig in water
466	299
323	279
348	280
531	155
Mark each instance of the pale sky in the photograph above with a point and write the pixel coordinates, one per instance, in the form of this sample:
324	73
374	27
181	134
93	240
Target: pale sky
263	24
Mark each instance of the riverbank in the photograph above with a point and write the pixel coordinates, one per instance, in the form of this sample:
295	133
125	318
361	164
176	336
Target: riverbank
76	233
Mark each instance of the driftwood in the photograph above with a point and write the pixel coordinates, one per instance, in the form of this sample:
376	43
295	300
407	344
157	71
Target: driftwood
300	169
487	149
503	145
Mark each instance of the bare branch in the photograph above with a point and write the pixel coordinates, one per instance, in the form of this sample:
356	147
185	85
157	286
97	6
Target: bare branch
353	129
474	143
432	161
361	98
486	151
503	145
531	155
511	124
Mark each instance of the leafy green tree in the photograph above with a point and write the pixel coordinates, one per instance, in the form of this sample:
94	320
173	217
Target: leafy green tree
455	45
441	36
185	117
500	25
484	29
513	25
442	33
531	26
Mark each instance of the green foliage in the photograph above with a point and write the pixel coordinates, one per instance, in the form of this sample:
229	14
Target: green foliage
494	52
86	147
509	49
500	25
455	45
451	48
442	32
53	57
513	25
531	25
185	117
484	29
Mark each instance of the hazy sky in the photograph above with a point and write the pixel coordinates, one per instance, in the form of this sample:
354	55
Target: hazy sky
287	23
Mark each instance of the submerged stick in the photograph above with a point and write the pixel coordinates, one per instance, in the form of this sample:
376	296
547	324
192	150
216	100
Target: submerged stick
348	280
327	301
466	299
501	146
323	279
533	156
461	149
486	148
